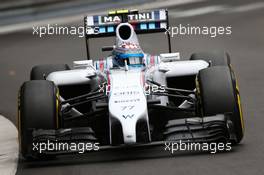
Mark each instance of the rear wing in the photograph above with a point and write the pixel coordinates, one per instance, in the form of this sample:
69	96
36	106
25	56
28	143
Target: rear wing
143	22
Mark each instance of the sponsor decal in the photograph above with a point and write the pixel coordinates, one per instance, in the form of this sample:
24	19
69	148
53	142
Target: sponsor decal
109	19
128	116
131	17
127	100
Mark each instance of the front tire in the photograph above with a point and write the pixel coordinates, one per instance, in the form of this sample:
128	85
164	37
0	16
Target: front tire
38	108
218	94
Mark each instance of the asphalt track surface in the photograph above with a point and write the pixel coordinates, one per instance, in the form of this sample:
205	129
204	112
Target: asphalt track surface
20	51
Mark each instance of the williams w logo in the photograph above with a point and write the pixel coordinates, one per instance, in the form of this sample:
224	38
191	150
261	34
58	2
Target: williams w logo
128	116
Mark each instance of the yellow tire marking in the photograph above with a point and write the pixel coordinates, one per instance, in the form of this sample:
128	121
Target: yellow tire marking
240	110
238	102
57	108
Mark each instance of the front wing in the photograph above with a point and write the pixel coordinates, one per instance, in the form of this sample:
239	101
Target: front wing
211	129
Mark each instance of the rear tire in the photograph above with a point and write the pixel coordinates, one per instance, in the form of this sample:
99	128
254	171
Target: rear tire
218	94
38	107
39	72
216	58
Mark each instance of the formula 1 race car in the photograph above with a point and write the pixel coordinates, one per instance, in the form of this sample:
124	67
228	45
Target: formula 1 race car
131	97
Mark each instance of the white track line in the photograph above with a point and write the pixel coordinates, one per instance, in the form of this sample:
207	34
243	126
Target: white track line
198	11
8	147
245	8
71	19
165	3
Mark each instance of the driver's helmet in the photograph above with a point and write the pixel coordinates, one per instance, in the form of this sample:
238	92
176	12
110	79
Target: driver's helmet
128	52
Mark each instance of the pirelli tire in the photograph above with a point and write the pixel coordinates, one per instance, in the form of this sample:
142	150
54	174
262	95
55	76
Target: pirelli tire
215	58
40	72
218	93
38	108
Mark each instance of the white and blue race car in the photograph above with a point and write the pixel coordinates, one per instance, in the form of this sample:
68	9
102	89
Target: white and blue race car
131	97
